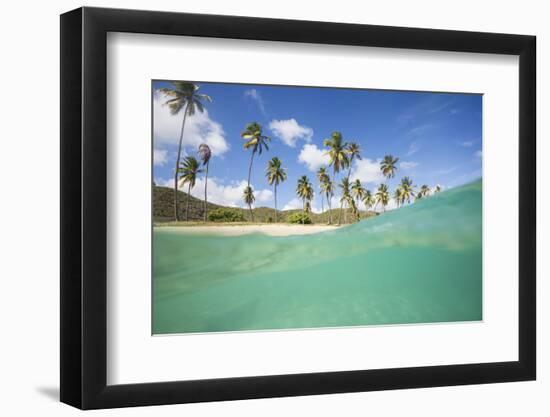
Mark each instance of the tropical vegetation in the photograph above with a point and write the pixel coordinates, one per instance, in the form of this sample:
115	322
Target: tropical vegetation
299	218
226	215
183	98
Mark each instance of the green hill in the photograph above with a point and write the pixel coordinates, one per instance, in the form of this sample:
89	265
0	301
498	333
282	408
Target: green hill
163	209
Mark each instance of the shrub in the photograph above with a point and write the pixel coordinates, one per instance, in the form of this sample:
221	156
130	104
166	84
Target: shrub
225	215
299	218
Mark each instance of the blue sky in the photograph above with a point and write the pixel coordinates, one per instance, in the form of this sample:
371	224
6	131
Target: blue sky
437	137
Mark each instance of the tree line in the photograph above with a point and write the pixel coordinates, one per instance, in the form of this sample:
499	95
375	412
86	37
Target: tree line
185	96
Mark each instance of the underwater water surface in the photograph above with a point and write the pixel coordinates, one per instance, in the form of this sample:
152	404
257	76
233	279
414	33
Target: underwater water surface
418	264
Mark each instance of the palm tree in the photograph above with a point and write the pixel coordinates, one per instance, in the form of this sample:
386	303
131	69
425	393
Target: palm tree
357	190
388	166
354	151
304	190
256	141
189	170
368	200
248	197
407	188
398	196
310	193
423	192
346	196
354	209
338	155
327	188
204	155
322	176
437	189
382	196
275	174
183	94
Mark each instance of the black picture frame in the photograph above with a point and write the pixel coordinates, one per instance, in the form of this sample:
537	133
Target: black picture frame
84	208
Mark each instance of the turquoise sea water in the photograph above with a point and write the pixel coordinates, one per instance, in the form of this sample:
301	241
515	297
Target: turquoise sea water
419	264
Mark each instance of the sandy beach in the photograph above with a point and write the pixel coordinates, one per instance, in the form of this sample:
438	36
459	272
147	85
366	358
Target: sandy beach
268	229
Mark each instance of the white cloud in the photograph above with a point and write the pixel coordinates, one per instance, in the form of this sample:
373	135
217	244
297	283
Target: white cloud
230	195
466	144
478	154
256	96
367	171
313	157
296	204
290	131
199	128
160	157
263	195
413	148
408	165
293	204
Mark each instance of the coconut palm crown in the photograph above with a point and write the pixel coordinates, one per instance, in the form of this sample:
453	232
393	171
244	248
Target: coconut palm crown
388	166
337	152
357	190
353	151
423	192
184	94
382	196
407	190
398	196
368	199
188	175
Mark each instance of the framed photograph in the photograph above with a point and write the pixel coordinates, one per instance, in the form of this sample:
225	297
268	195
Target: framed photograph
257	208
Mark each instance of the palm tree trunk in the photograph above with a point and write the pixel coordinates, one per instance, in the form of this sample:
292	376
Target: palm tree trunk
342	204
250	166
178	165
322	205
188	198
275	187
205	192
249	172
349	171
334	185
329	210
